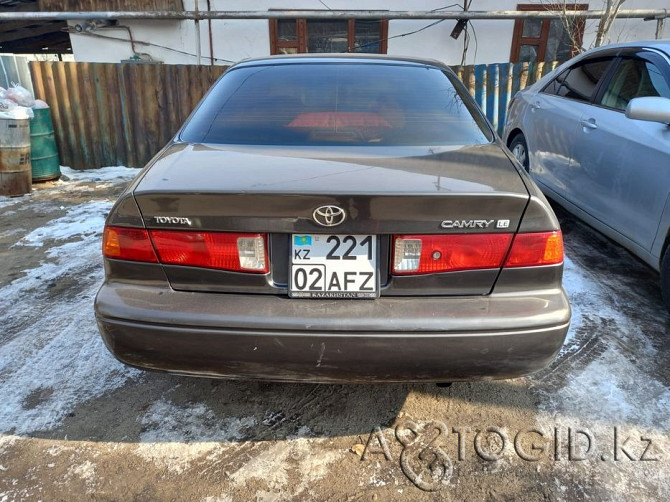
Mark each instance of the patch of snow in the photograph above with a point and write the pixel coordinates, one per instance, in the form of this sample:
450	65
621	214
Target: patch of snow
52	357
55	450
606	396
83	220
9	201
12	231
174	436
6	441
302	432
111	173
608	387
590	303
85	472
314	459
167	421
265	496
578	287
374	481
275	465
221	498
270	466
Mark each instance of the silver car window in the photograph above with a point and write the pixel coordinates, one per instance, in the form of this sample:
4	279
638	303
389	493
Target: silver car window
634	78
554	86
583	79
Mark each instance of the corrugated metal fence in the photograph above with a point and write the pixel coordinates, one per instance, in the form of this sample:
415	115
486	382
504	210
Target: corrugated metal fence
122	114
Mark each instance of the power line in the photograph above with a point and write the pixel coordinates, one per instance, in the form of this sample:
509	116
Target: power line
377	42
141	42
474	33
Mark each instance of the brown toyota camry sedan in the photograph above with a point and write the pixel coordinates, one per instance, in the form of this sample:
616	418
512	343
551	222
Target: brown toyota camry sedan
334	219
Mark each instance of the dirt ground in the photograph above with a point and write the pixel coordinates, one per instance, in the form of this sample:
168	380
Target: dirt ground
77	425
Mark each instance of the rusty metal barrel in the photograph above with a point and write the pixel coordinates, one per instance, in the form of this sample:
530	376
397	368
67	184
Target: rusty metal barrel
15	171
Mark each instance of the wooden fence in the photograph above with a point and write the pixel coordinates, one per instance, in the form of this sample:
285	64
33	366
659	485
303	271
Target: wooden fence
117	114
109	114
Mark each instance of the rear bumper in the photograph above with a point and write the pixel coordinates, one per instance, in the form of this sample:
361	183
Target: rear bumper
388	339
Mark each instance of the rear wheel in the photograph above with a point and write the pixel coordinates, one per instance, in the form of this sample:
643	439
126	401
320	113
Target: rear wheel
665	278
519	149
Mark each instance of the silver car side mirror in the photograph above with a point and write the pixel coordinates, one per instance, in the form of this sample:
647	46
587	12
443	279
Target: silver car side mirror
651	109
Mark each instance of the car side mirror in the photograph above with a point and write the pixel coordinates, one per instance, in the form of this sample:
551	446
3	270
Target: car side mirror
651	109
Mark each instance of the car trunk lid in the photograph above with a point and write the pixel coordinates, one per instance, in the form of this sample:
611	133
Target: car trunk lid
275	191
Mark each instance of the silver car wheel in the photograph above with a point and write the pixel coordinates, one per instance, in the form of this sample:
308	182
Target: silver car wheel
520	154
519	149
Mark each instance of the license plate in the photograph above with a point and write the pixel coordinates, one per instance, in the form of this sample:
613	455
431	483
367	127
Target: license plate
334	266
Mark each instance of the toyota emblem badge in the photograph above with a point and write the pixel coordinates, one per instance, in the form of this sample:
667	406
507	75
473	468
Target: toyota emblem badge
329	216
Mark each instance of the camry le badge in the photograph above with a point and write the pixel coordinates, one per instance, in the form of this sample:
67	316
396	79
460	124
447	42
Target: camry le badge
474	223
329	216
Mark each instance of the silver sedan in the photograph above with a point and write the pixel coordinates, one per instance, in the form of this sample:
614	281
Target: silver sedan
594	135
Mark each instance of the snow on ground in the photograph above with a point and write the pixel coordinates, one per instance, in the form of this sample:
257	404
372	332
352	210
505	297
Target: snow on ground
112	173
63	345
310	458
8	201
613	390
576	284
600	384
608	387
194	430
82	220
53	358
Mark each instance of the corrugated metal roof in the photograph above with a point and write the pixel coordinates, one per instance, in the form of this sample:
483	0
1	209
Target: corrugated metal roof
110	5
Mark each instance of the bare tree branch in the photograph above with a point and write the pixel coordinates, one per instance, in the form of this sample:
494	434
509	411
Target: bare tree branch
611	9
574	26
571	24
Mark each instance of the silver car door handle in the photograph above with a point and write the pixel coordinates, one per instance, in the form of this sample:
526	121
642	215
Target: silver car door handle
535	106
589	124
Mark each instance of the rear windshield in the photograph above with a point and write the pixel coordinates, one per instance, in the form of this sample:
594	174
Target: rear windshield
337	104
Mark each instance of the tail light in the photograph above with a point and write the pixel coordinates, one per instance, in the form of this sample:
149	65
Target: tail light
226	251
428	254
531	250
131	244
219	250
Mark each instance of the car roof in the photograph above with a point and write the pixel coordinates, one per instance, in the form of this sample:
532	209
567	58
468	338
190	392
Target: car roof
340	58
612	49
660	45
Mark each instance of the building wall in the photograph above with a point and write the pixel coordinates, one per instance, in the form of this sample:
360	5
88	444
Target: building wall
233	40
